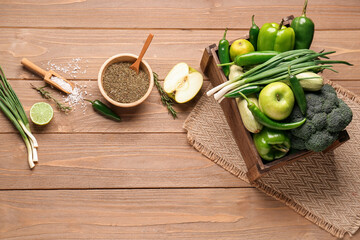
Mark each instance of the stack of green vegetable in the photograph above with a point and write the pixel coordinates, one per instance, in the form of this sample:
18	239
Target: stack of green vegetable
281	97
14	111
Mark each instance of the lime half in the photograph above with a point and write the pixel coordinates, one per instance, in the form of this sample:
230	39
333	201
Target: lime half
41	113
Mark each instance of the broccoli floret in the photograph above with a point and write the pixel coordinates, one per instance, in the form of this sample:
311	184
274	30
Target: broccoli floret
328	90
314	104
296	115
339	118
314	99
297	143
326	115
320	141
330	103
319	121
304	131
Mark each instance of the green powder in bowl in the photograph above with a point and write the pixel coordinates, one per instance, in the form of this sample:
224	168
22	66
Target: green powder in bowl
123	84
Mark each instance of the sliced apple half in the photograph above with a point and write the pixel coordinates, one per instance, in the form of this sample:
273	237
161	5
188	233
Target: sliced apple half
183	83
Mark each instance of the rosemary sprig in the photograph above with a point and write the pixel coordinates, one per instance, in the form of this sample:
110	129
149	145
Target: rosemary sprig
165	99
45	94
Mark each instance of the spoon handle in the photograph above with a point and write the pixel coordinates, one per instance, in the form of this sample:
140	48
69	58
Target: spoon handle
31	66
145	47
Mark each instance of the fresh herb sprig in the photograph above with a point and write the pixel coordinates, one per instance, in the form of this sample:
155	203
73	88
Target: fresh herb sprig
47	95
165	99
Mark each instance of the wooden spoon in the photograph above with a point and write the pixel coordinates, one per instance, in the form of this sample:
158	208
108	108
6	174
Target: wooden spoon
136	65
50	77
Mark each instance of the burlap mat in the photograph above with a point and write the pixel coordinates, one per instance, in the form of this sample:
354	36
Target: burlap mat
324	188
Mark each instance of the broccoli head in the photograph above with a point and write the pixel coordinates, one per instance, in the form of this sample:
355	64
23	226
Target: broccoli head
326	115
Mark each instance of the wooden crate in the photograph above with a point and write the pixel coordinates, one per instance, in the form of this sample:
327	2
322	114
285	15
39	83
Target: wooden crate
256	167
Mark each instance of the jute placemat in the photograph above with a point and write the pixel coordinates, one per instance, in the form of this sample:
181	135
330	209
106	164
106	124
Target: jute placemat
324	188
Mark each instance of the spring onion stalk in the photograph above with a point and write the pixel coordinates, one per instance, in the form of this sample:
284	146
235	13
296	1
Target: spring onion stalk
264	75
278	78
14	111
282	57
275	69
282	61
28	132
12	119
276	59
34	152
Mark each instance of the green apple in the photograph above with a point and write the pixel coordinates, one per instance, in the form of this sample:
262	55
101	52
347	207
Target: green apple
239	47
276	100
182	83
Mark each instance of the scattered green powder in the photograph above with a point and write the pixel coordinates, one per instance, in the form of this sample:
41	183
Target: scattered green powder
122	84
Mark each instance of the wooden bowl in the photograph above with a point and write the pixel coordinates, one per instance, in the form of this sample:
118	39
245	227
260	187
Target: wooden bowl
125	57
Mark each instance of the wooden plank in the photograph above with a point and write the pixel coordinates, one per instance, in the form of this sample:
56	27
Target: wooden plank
151	214
109	161
150	116
327	14
88	49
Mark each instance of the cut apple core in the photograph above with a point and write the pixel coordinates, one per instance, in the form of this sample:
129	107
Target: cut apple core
175	77
190	87
183	83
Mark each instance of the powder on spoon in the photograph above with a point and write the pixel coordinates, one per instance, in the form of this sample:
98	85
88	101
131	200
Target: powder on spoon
123	84
63	84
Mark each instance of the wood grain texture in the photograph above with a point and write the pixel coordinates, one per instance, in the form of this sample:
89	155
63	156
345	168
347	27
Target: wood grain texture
109	161
140	179
151	214
173	14
62	47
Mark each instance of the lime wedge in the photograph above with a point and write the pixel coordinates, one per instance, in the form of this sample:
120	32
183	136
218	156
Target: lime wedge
41	113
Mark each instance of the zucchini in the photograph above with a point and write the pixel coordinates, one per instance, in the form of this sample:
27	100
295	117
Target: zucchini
247	117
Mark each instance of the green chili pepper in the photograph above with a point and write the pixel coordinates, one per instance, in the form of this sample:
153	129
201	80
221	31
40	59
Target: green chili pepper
252	58
273	36
254	33
223	52
298	92
271	144
266	121
246	91
104	110
304	30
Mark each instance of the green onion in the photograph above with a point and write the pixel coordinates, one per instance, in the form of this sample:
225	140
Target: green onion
14	111
275	69
259	68
279	78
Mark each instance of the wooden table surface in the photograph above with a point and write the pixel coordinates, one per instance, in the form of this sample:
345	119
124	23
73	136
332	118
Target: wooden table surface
140	179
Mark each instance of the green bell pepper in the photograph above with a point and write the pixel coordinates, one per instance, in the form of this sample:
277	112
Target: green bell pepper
276	37
271	144
304	30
